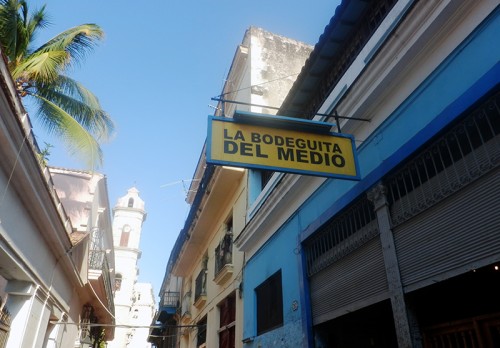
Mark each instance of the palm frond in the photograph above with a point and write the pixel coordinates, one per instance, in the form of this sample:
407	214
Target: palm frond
83	105
17	29
77	41
66	108
10	21
38	20
79	142
41	66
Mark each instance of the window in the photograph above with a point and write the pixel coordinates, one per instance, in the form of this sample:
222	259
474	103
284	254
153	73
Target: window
340	235
201	281
227	313
201	335
224	251
118	282
269	304
130	202
125	235
265	176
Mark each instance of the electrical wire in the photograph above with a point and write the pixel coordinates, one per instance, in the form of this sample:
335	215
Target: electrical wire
257	84
102	304
126	326
14	168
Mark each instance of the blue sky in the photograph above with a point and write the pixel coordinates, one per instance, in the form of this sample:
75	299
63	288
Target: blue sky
154	73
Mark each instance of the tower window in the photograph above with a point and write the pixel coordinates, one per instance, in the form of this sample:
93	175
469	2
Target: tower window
118	282
125	235
130	202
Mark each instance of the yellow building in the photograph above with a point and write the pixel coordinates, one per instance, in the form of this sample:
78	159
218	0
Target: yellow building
204	274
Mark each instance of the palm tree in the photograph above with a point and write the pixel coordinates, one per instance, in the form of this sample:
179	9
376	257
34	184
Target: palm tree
64	106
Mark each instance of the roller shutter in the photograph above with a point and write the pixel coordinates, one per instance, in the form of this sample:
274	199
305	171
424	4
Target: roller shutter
456	235
356	280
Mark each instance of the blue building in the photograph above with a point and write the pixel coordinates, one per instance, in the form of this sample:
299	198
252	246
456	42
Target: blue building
409	255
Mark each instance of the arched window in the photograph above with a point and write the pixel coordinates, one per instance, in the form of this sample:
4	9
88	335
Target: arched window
118	282
125	235
130	202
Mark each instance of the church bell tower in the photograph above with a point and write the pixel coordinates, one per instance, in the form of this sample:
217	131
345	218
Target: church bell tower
128	217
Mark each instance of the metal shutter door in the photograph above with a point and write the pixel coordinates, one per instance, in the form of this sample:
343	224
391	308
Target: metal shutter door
357	280
460	233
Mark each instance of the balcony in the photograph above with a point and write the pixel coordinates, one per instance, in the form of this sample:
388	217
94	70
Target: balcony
99	276
168	306
185	310
170	299
224	259
200	293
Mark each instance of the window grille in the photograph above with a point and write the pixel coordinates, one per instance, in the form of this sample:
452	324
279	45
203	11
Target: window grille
463	154
170	299
341	235
5	320
97	252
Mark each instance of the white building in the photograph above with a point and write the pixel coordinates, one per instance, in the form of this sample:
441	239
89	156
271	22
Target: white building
55	229
134	301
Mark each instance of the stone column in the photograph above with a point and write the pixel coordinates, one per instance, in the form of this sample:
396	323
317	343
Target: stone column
399	309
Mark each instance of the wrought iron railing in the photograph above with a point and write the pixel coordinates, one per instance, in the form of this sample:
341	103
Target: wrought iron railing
99	261
96	259
186	304
200	285
106	274
462	155
170	299
97	252
5	320
224	252
341	235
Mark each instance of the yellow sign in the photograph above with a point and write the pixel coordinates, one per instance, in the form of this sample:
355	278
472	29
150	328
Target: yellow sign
281	149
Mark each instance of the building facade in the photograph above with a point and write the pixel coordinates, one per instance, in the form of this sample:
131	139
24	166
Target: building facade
55	228
134	301
409	255
84	196
201	297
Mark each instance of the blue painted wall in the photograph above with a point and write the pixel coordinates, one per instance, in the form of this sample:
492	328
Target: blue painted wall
469	72
283	246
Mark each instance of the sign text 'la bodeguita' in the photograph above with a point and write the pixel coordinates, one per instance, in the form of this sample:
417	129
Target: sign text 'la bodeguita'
287	149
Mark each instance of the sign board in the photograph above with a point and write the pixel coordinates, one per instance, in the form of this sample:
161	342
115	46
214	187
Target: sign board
281	144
